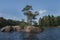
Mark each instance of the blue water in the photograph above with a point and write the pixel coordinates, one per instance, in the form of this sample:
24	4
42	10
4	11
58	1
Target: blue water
48	34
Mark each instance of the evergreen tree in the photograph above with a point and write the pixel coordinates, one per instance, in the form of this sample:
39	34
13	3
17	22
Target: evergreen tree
30	15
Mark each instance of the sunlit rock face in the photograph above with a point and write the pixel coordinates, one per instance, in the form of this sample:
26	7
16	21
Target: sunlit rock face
28	28
32	29
11	28
16	28
5	29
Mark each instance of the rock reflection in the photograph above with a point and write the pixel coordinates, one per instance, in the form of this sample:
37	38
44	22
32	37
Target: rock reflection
30	36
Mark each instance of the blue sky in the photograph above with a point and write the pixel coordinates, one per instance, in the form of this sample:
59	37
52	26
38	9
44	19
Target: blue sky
11	9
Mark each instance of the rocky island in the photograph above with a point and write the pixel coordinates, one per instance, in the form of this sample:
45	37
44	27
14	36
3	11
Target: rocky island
19	29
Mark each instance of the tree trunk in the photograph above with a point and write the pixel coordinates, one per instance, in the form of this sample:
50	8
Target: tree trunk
29	21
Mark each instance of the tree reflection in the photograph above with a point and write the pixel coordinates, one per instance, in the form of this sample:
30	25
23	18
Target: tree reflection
30	36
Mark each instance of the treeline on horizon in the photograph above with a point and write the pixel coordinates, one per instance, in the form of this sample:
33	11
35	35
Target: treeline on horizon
49	21
8	22
46	21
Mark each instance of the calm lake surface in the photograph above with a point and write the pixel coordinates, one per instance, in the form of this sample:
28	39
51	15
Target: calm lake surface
48	34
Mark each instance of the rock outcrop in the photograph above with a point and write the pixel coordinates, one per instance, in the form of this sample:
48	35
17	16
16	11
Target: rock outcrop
10	28
5	29
28	28
32	29
18	29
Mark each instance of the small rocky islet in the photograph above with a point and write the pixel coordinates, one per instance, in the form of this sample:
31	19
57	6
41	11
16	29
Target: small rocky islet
19	29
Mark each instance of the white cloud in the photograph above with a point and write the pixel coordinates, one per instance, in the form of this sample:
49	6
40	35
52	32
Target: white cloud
42	11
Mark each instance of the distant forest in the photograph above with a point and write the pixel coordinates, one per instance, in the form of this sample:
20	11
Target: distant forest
49	20
8	22
46	21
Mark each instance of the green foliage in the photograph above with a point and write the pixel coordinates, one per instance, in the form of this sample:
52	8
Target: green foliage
30	15
35	24
58	20
49	21
27	7
2	22
9	22
23	24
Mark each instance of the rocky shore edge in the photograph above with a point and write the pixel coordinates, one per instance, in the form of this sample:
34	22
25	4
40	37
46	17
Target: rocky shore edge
19	29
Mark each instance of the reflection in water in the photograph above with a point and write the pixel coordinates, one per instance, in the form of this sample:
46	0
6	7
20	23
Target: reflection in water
47	34
30	36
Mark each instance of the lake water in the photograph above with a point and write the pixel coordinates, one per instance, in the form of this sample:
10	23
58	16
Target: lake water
48	34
